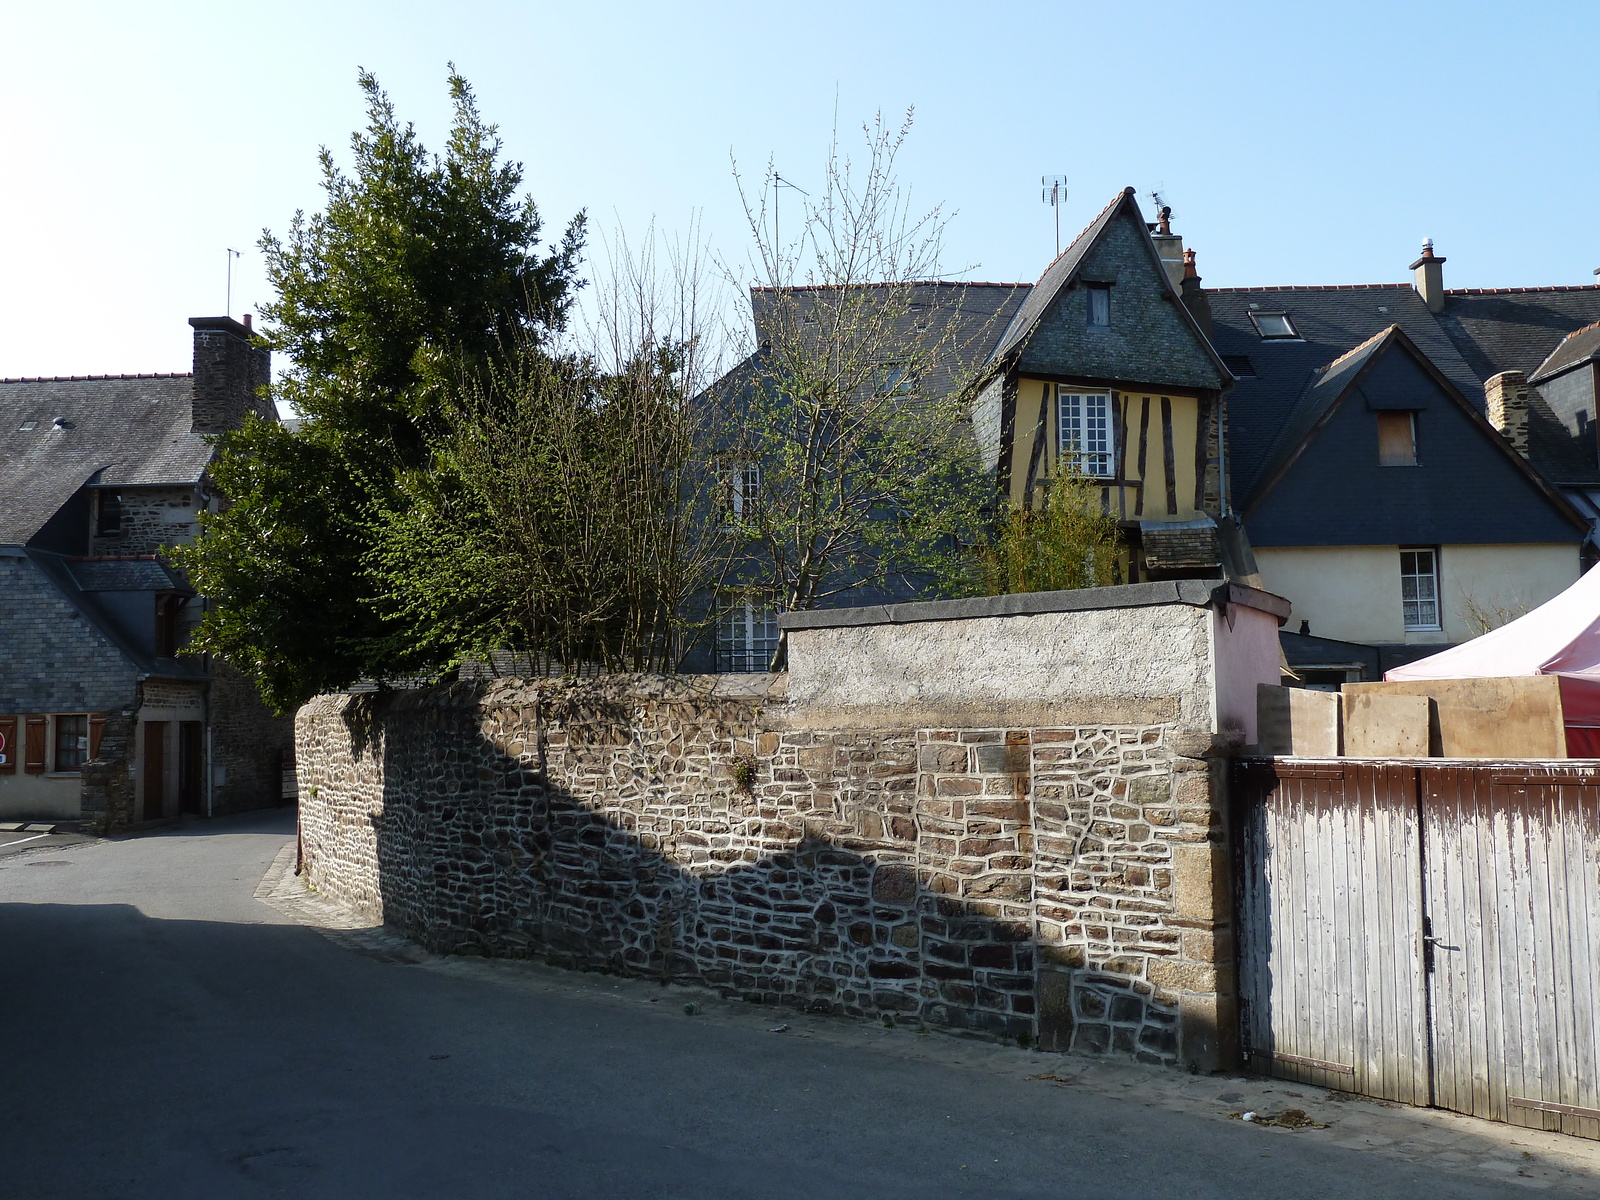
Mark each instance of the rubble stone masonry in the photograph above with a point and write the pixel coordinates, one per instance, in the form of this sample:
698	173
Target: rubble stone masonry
1037	859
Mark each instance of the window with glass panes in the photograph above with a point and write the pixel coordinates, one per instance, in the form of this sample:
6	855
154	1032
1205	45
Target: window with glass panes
744	485
747	634
72	742
1083	422
1419	588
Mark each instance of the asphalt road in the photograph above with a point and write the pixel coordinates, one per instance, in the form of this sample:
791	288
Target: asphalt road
166	1035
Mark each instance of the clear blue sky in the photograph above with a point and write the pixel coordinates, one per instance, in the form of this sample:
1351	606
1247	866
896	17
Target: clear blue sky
1296	144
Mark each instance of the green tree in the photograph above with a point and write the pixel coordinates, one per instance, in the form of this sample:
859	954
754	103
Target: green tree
418	270
1070	542
846	435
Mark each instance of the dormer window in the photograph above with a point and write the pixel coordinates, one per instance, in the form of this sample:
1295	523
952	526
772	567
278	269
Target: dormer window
1275	326
108	518
1099	295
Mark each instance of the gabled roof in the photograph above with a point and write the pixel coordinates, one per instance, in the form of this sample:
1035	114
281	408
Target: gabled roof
1578	347
1331	384
1331	322
56	435
1067	267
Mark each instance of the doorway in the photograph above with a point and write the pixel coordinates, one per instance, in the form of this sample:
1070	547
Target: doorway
155	770
191	768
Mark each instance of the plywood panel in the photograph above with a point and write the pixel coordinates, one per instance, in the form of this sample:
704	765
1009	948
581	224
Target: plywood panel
1385	726
1501	718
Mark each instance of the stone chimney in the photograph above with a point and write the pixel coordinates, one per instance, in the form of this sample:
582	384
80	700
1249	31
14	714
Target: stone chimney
1506	398
1428	273
1169	246
1194	299
229	373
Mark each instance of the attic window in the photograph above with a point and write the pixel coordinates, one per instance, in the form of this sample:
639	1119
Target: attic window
1239	366
1275	326
1099	304
27	425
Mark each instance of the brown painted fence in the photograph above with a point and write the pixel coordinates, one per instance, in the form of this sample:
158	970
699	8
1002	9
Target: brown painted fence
1427	932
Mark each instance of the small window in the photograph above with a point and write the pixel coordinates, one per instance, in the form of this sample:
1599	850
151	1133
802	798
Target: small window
108	516
1419	589
743	484
168	605
1397	439
1087	443
898	380
72	742
747	635
1274	326
29	425
1099	303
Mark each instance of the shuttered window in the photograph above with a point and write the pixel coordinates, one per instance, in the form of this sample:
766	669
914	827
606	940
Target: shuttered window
33	750
72	742
1397	439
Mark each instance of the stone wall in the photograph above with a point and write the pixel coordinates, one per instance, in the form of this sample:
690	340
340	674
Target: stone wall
248	744
152	519
1005	823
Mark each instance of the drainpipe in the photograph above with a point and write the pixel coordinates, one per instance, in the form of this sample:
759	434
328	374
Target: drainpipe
205	714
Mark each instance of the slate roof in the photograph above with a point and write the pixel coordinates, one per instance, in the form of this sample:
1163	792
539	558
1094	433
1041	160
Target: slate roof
1332	322
1580	346
142	573
58	434
1515	329
1149	354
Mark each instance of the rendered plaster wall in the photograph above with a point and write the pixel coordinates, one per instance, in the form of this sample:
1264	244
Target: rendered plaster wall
1352	593
1007	826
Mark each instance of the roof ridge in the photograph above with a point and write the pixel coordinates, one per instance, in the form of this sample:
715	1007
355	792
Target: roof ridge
1382	333
86	378
1310	287
1549	287
1115	200
823	287
1584	329
111	557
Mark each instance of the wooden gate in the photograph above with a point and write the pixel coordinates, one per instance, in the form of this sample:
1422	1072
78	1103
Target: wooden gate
1424	932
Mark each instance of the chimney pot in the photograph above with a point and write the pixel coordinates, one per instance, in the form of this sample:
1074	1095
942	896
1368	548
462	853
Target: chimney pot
1190	271
247	320
1428	274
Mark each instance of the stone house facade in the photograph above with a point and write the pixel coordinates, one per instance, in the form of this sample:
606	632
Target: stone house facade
101	715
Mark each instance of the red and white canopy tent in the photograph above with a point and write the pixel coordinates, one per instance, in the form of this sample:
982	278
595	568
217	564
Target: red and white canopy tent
1561	637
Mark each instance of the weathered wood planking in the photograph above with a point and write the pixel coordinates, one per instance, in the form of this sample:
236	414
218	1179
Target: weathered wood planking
1513	878
1330	904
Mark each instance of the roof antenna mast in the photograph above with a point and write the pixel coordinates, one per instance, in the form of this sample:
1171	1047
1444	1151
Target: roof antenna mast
778	181
1055	195
227	305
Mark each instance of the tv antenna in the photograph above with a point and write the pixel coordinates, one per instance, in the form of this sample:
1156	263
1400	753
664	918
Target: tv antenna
1055	195
1163	213
778	181
227	307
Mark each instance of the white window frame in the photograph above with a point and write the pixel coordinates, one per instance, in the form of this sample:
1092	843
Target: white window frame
1086	435
747	634
1417	605
743	481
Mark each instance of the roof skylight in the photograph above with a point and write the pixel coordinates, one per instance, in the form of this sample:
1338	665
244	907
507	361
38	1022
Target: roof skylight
1275	326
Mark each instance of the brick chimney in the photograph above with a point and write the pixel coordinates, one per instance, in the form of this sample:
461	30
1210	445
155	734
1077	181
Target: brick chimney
1428	274
1194	299
1169	246
228	374
1506	398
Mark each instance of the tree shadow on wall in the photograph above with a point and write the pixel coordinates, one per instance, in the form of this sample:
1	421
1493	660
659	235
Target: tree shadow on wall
780	894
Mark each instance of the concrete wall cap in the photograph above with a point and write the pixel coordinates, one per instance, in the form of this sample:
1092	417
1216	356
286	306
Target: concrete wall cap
1198	593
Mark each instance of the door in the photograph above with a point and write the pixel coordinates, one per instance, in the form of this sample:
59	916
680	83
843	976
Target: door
191	767
1513	924
155	770
1330	904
